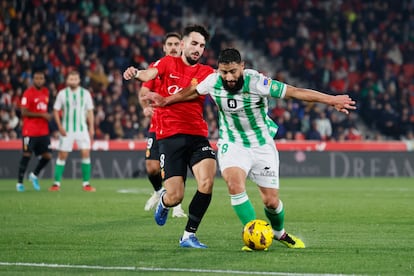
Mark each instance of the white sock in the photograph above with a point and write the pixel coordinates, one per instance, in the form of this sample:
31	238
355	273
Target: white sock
186	235
278	234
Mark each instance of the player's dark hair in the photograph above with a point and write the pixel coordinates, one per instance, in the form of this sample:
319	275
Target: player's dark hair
38	71
170	34
73	72
229	55
197	29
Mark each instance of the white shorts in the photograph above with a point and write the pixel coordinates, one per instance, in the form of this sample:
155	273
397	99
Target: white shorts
261	164
83	141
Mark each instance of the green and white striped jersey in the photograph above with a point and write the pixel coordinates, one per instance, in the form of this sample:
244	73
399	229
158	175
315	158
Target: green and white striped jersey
75	105
243	116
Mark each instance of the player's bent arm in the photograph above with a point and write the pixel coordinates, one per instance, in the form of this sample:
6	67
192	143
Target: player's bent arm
147	109
143	102
27	113
142	75
187	94
341	103
147	74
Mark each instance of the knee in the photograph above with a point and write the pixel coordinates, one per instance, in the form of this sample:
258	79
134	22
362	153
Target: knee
235	187
173	198
47	156
205	185
271	202
152	167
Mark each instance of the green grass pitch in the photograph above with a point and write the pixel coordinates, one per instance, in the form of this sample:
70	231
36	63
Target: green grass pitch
350	226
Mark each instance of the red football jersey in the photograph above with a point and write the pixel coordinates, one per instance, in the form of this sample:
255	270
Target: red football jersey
153	86
183	117
35	100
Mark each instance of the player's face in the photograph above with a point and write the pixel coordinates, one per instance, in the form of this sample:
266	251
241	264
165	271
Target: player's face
38	80
232	76
193	47
73	81
172	47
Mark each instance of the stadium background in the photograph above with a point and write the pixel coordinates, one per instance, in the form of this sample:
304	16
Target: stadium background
364	48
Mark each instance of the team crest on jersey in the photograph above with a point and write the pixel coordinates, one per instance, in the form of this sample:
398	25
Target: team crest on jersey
194	81
275	86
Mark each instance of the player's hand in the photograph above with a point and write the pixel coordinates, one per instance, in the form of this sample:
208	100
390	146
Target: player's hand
62	131
155	98
148	111
130	73
343	103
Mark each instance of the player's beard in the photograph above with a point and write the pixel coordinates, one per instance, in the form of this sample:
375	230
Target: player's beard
190	60
236	88
73	86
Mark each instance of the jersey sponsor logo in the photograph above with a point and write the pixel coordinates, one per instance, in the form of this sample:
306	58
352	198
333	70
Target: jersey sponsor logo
231	103
41	106
173	89
174	76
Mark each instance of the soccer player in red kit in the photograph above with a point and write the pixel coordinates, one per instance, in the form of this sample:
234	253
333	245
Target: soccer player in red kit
171	47
182	132
35	132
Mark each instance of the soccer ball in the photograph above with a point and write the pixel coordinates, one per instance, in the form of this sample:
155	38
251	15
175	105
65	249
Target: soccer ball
258	234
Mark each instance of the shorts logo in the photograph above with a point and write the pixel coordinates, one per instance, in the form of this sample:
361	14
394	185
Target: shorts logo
267	172
207	148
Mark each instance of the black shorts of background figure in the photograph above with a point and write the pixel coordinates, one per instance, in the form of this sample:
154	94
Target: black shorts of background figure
38	145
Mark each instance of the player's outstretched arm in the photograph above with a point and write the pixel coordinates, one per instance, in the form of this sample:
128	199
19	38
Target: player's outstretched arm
342	103
142	75
187	94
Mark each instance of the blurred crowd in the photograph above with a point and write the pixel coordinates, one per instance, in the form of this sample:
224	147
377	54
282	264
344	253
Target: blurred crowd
364	48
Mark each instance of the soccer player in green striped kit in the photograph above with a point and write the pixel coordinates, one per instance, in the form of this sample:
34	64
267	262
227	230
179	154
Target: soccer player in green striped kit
75	125
246	146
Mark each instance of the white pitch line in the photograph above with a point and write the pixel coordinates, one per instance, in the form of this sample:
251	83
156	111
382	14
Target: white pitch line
134	268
